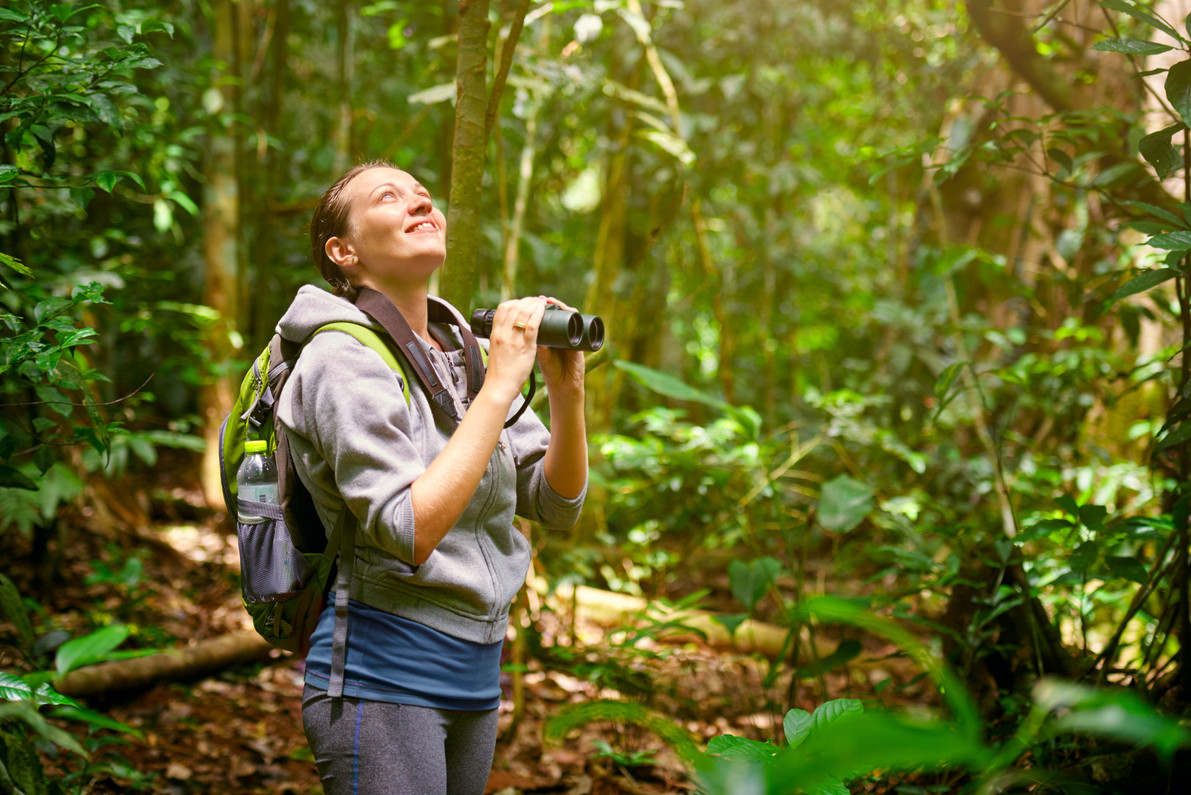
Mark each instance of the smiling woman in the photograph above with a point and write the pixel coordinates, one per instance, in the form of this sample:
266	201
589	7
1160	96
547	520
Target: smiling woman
402	696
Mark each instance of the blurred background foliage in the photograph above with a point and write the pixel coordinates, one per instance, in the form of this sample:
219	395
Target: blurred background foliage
896	292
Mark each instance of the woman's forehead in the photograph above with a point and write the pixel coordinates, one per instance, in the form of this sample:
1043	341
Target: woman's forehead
369	180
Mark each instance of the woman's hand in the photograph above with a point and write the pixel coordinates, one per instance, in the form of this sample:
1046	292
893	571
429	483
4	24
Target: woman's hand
562	370
512	345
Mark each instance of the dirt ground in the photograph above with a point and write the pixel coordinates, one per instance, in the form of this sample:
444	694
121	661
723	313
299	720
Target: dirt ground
239	731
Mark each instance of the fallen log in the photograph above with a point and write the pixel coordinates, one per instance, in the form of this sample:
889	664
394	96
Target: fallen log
602	608
607	608
189	662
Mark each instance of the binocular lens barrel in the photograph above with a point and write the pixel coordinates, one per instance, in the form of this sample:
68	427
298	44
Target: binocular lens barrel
560	328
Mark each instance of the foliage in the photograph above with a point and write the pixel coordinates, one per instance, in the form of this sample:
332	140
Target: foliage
843	740
62	90
24	726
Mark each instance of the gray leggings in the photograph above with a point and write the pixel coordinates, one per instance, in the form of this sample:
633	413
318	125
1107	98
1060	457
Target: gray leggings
370	747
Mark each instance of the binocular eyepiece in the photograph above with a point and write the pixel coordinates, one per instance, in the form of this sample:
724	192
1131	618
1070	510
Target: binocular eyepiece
561	328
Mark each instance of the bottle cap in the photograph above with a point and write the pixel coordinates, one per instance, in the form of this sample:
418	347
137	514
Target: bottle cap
256	446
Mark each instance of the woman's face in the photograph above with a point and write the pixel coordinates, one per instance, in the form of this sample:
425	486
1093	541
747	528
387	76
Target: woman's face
393	229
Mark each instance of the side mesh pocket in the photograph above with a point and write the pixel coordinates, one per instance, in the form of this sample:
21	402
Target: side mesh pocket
271	568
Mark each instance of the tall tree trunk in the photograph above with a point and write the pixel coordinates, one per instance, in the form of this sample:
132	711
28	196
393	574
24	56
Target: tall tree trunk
467	166
221	215
343	136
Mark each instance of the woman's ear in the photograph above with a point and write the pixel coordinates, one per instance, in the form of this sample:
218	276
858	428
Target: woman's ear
341	253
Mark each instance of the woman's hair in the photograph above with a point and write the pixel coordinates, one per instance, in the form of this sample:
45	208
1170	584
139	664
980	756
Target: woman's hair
332	218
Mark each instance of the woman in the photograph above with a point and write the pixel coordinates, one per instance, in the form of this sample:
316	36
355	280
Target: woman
438	560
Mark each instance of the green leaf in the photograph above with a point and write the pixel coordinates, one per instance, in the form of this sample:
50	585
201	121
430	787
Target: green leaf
1062	160
1131	46
14	688
865	741
1160	153
13	478
1092	516
1179	435
844	503
1126	568
1172	241
1139	284
105	110
947	378
27	712
1041	529
1158	212
95	720
729	746
667	385
797	726
1083	557
1142	15
14	609
1117	714
89	649
107	180
751	581
730	621
835	709
1178	89
604	710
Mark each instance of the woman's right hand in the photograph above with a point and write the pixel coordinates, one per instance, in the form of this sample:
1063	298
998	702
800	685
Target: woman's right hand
512	345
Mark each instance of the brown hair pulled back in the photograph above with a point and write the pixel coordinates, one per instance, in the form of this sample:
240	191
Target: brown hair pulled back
332	218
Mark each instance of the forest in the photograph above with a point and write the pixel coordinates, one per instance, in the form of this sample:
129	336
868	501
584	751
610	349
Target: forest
890	473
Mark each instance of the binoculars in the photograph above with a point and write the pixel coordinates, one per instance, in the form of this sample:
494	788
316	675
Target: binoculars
561	328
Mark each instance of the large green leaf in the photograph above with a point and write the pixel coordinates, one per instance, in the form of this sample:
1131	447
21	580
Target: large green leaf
1159	152
1117	714
843	503
1142	14
1178	89
832	711
1131	46
1146	281
667	385
89	649
1172	241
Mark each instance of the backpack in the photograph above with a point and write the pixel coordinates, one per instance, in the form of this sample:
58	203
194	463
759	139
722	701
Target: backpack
288	563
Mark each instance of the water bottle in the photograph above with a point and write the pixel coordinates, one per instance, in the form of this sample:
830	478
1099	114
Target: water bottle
256	479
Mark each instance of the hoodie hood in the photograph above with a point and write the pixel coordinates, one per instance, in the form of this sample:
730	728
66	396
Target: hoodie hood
314	307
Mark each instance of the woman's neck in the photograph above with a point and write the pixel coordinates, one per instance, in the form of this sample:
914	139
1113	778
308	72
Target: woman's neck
411	303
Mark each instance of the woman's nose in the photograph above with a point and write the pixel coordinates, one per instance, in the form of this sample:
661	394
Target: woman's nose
421	205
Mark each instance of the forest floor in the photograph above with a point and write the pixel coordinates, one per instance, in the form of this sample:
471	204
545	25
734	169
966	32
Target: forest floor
239	731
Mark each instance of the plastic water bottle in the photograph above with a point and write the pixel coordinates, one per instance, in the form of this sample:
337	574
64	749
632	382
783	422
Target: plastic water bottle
256	480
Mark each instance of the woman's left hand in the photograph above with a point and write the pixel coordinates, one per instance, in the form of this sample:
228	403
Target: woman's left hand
562	369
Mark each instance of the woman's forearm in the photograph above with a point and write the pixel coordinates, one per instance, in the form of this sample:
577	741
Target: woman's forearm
441	493
565	463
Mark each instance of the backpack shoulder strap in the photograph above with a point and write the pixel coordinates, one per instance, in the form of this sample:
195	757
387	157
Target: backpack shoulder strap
371	340
382	310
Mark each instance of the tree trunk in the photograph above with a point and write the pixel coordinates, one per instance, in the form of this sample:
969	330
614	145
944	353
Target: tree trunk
467	162
343	137
221	216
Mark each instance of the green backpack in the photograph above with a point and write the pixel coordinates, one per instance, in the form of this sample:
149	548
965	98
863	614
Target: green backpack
288	564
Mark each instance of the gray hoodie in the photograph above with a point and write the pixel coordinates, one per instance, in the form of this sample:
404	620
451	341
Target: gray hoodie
356	441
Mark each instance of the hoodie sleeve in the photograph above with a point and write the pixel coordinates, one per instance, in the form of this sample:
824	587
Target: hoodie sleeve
536	500
349	427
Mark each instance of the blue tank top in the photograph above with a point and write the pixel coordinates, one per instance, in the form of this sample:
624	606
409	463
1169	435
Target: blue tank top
393	659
